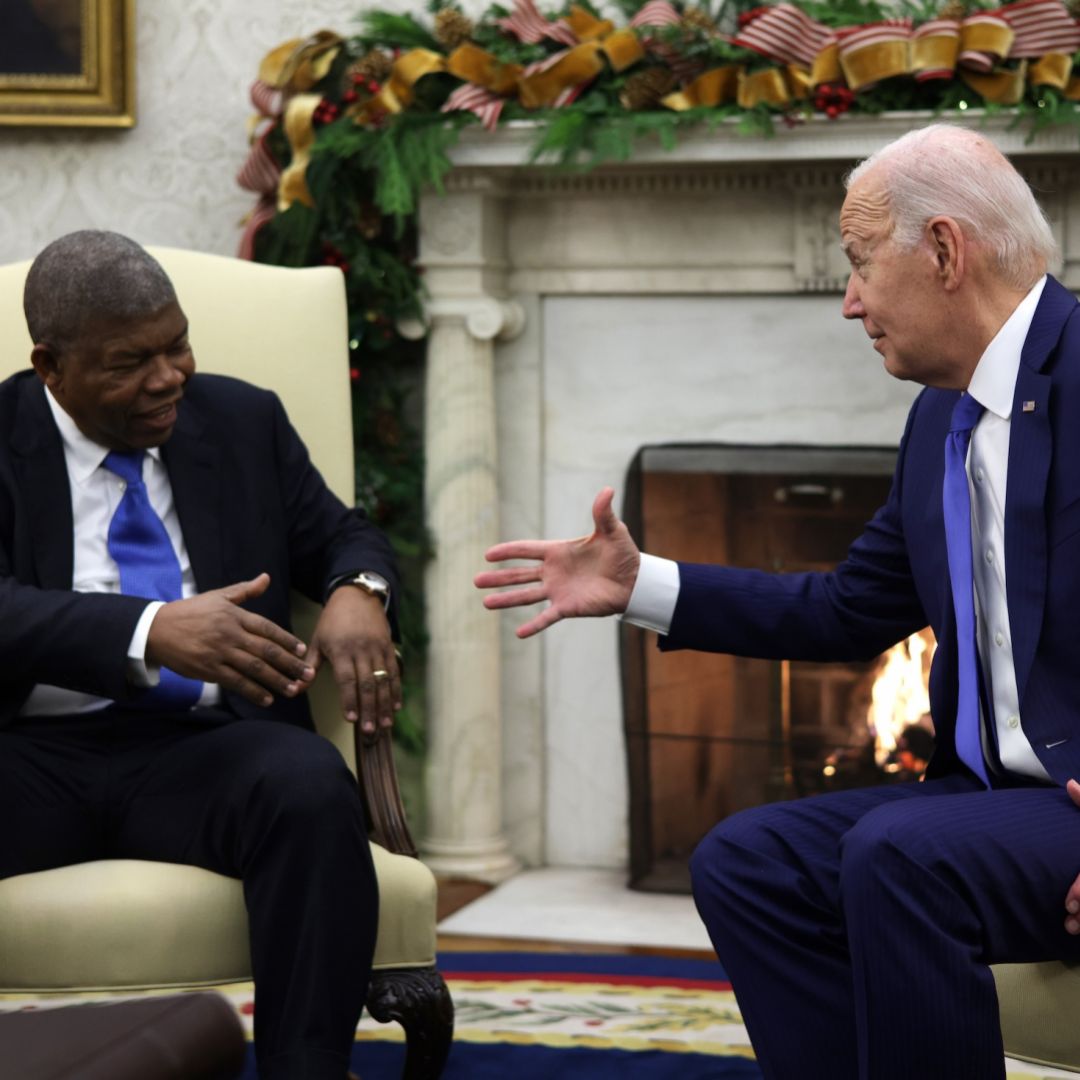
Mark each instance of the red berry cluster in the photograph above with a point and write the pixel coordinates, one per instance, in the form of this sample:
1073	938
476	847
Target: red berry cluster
746	17
370	85
833	99
333	256
325	111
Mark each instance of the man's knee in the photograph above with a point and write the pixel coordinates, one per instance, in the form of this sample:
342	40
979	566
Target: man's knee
304	778
718	864
887	842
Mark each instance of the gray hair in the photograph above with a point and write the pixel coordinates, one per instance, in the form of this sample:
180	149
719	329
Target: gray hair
949	170
87	275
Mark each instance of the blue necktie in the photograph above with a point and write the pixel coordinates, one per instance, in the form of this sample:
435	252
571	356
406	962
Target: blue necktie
956	501
148	568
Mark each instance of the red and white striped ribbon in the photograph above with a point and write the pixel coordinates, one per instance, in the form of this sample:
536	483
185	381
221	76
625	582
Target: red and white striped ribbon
656	13
486	105
263	212
260	171
786	34
267	99
528	25
1041	27
858	37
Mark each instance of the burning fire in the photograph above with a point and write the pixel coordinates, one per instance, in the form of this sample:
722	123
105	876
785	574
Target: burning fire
900	696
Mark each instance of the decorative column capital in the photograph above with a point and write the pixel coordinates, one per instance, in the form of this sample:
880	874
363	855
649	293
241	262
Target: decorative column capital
486	317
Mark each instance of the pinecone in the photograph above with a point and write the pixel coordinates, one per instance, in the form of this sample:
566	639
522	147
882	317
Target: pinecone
452	28
369	221
954	9
645	89
698	19
373	66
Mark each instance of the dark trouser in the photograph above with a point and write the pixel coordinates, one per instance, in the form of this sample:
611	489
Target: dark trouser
266	802
857	927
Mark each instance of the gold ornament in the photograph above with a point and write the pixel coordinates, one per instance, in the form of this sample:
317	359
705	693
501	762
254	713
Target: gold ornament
954	9
452	28
698	19
645	89
372	66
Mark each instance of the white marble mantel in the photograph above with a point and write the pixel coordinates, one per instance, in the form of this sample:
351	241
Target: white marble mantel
689	295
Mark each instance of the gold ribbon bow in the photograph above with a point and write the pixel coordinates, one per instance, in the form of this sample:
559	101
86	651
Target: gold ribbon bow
302	62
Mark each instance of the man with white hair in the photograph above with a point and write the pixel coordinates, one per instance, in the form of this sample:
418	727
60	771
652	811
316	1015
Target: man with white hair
849	920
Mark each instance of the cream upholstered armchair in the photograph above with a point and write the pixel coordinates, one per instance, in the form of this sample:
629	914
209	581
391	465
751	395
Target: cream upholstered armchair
1040	1005
127	924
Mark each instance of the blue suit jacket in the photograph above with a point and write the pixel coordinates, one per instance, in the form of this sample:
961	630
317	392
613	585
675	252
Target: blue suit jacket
895	579
248	499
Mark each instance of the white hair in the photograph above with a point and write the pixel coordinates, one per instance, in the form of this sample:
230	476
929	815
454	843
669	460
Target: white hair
950	171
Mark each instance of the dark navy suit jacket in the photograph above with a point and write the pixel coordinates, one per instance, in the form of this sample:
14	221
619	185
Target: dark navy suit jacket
895	579
248	499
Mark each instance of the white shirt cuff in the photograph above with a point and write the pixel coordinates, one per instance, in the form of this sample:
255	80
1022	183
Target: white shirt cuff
656	591
140	673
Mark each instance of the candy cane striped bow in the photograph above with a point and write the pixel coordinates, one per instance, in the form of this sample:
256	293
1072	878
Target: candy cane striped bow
784	33
528	25
1041	26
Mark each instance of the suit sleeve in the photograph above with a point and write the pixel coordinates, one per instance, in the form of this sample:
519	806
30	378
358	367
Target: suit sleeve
75	640
868	603
327	539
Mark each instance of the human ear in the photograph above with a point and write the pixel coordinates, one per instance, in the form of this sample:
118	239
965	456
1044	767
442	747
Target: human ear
47	365
949	248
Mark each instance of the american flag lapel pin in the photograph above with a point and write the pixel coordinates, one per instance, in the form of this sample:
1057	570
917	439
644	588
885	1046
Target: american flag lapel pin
1028	406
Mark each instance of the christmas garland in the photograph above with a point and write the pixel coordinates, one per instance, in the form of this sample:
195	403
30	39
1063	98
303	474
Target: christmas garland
351	130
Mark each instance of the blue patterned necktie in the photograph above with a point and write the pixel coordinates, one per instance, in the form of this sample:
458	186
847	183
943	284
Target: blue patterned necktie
148	568
956	502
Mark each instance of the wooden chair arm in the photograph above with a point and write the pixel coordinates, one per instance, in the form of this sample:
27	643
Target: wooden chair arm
379	788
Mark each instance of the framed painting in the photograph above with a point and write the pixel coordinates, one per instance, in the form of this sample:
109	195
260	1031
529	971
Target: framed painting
67	62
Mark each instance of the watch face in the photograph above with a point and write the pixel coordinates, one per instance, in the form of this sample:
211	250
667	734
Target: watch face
372	583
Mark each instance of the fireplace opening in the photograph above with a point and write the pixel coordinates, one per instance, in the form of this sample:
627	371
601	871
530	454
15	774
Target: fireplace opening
707	734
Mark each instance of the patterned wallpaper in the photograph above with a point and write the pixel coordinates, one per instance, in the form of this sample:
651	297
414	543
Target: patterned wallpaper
170	180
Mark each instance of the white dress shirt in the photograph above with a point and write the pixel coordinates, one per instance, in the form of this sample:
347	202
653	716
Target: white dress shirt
652	602
95	494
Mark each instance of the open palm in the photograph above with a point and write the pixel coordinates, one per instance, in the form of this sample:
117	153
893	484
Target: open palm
588	576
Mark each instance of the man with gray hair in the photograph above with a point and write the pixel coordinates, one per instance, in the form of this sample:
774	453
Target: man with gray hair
850	920
152	706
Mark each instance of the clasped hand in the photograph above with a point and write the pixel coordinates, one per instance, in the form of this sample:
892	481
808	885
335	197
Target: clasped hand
211	637
589	576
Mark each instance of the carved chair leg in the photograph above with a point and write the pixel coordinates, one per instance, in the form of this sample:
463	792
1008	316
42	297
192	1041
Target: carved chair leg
417	998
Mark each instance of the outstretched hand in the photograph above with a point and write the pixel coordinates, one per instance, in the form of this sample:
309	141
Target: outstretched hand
591	575
1072	897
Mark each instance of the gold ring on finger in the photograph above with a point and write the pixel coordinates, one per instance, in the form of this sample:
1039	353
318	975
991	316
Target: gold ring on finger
380	674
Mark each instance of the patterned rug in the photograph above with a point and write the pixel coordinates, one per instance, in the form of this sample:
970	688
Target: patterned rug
538	1016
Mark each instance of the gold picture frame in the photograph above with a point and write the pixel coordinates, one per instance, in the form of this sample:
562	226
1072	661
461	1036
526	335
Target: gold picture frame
67	63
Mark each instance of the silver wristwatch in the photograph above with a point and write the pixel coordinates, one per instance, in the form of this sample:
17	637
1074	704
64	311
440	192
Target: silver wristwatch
371	583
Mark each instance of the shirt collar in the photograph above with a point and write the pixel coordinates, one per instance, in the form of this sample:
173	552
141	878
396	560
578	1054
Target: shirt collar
82	455
994	381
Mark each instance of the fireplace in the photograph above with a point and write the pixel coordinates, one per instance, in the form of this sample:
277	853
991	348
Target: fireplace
573	318
707	735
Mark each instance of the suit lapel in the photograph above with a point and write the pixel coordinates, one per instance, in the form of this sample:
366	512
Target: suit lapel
1030	453
195	477
38	456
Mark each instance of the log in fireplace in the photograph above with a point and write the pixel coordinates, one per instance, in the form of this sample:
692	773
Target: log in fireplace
708	735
